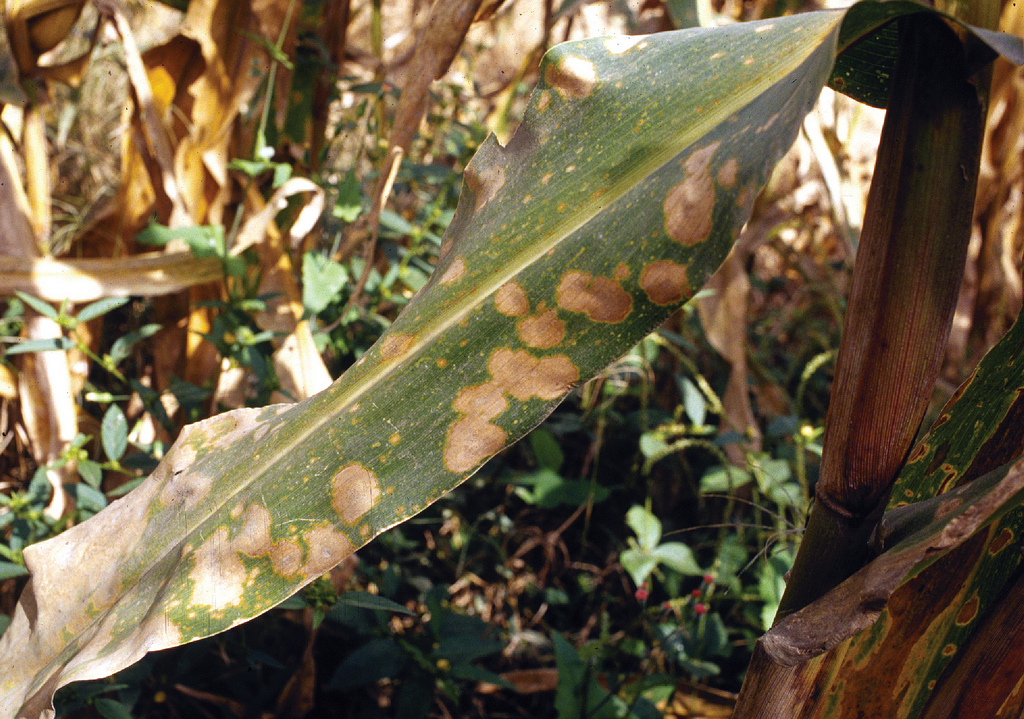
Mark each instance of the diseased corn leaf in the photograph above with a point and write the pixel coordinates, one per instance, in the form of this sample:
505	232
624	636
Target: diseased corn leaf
811	648
896	602
638	160
867	47
938	609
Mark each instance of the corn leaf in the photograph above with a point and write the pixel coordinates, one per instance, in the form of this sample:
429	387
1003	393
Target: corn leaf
637	162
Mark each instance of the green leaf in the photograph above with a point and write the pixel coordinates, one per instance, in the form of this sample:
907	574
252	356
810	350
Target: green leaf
548	489
679	557
645	525
87	498
111	708
380	658
251	168
473	673
546	450
10	570
694	403
43	308
91	472
371	601
61	344
204	241
114	433
121	347
349	203
463	639
724	479
100	307
715	637
322	280
579	695
638	563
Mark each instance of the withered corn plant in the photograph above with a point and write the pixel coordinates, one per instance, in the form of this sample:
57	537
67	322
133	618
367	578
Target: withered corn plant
637	162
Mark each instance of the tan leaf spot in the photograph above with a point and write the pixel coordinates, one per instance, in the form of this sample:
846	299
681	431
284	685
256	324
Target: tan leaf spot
542	330
665	282
510	299
968	612
254	540
948	505
484	401
688	205
218	577
325	548
524	376
483	183
619	44
572	77
446	247
355	490
454	272
395	346
699	159
254	537
395	438
768	123
621	271
185	489
470	441
1001	541
600	297
727	173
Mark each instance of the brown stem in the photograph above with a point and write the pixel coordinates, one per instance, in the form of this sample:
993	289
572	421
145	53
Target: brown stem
905	288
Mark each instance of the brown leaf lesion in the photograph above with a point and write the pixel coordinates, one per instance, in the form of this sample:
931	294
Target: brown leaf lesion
601	298
474	437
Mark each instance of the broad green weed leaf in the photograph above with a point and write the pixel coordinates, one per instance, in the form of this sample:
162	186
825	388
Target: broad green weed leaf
579	694
370	601
546	449
679	557
694	403
645	525
114	433
638	563
637	162
724	479
322	280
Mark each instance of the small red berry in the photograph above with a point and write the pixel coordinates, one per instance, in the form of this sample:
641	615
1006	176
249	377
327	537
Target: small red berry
700	608
695	594
641	594
667	606
708	578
